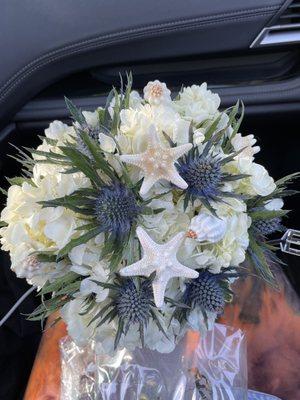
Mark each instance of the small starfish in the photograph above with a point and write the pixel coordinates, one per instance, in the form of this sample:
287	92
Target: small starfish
162	259
157	162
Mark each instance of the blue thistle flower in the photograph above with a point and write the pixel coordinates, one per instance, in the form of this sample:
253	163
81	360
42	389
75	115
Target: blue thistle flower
206	292
134	304
204	176
116	209
268	226
131	304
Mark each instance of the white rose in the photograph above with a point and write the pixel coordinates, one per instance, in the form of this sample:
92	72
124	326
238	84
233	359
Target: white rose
107	143
274	204
197	104
156	93
91	117
247	143
259	181
57	130
262	183
198	136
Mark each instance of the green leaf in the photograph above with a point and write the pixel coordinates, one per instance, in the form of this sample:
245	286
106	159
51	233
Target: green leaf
119	333
259	261
107	117
44	257
80	240
151	211
70	202
210	131
169	140
105	285
128	90
80	161
47	154
176	303
237	124
95	150
87	227
75	112
59	283
233	112
267	214
19	180
287	179
100	313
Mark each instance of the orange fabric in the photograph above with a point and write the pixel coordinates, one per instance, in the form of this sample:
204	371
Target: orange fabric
44	382
273	338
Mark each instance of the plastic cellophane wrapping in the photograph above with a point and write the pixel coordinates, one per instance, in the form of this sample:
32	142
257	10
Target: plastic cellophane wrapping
213	367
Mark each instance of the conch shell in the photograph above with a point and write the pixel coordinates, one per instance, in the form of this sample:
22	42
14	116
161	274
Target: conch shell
208	228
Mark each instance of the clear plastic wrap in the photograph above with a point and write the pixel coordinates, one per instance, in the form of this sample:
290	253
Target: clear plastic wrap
208	368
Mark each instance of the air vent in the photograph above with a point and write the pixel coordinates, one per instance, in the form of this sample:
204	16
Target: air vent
285	30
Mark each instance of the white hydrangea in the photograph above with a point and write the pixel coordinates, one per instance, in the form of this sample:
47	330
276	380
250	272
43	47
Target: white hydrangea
33	228
197	103
88	285
77	324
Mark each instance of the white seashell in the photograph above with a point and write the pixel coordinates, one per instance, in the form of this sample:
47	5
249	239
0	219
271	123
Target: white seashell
208	228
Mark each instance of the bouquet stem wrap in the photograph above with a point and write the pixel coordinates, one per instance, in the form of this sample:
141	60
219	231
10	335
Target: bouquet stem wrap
213	367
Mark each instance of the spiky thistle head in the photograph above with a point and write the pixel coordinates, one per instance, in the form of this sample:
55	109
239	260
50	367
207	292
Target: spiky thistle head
116	208
204	175
268	226
133	304
206	292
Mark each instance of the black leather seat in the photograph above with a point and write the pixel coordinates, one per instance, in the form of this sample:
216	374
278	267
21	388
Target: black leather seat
43	40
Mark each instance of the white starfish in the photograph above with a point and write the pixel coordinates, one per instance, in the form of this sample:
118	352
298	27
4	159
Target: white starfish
157	162
162	259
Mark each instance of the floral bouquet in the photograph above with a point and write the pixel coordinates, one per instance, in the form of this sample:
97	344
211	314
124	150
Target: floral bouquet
135	220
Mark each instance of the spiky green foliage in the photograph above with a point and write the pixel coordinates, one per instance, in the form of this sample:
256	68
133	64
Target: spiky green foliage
61	290
131	303
261	254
